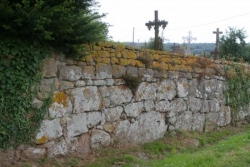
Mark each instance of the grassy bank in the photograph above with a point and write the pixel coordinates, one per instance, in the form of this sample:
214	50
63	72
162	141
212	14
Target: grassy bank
225	147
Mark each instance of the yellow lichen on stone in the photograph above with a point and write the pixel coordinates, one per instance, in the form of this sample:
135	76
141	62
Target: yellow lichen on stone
106	60
191	60
60	98
128	55
88	59
112	54
183	62
103	54
156	64
164	66
156	57
114	60
165	60
99	60
139	64
118	54
97	47
120	47
132	62
177	61
42	140
124	62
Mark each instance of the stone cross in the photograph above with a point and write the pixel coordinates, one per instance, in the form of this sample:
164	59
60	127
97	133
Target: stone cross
189	38
216	51
156	23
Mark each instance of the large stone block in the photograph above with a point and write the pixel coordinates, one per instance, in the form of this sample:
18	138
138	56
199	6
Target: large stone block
70	73
149	105
166	90
99	139
182	87
209	88
61	105
120	94
133	71
103	71
77	125
113	114
47	85
214	105
177	106
146	91
57	148
49	130
198	122
224	116
86	99
162	106
150	126
194	104
211	121
118	71
184	121
88	72
133	109
93	119
49	68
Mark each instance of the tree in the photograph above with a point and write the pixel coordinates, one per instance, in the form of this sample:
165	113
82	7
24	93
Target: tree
63	24
233	45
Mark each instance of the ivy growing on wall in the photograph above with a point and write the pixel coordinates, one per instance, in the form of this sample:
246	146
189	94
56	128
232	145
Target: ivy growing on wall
237	92
20	63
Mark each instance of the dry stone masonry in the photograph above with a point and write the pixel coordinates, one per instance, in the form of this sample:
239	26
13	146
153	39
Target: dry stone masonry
93	108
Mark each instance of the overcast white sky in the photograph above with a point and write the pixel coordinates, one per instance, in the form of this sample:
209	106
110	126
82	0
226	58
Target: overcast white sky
201	17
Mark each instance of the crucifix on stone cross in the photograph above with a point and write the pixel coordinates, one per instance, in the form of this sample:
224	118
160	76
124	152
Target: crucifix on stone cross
156	23
189	38
216	51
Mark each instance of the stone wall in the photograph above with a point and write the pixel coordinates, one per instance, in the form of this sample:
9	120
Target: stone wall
93	108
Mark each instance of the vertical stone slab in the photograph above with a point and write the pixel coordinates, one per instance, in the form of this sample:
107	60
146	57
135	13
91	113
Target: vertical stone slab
103	71
166	90
120	94
182	87
146	91
184	121
49	68
70	73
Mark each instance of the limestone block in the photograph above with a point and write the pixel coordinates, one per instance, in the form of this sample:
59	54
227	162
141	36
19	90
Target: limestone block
93	119
220	86
46	85
146	72
198	122
209	88
66	85
99	139
60	106
103	71
224	116
104	90
109	82
118	71
182	87
184	121
194	104
113	114
211	121
70	73
49	130
49	68
133	71
83	146
106	102
77	125
194	89
173	74
134	109
34	153
80	83
86	99
109	127
172	120
120	94
149	105
205	106
177	106
162	106
88	72
166	90
214	105
57	148
146	91
99	82
149	126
